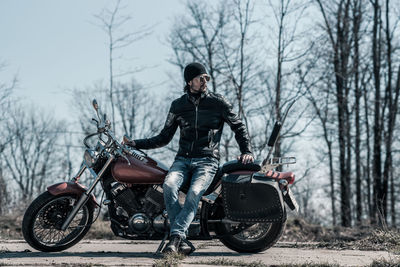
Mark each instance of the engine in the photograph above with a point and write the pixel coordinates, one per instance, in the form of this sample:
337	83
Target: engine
141	209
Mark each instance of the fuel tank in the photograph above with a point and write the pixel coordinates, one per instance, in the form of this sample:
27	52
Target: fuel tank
141	170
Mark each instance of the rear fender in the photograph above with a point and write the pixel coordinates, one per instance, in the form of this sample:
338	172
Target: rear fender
70	188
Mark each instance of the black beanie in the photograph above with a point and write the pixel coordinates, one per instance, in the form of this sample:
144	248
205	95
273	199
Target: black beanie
193	70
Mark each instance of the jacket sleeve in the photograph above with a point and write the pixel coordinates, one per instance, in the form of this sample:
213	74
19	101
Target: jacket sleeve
237	126
164	137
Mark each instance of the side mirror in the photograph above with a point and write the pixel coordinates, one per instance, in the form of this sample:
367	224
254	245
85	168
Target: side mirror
95	105
275	133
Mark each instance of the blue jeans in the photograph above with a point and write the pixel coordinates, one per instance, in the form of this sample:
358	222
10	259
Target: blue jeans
200	173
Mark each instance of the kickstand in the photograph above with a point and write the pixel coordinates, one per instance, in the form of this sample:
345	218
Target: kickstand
162	243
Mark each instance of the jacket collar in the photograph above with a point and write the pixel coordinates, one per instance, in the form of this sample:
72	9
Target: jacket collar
193	99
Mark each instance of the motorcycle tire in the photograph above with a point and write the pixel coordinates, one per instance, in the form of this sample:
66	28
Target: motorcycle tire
242	245
269	234
44	217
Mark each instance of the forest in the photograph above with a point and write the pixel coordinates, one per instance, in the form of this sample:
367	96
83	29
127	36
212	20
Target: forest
339	60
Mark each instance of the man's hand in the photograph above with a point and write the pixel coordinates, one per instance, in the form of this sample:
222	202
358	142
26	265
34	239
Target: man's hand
246	158
128	142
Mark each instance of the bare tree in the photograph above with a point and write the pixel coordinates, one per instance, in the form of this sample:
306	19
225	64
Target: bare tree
30	157
377	128
386	92
283	81
6	90
112	22
392	102
357	20
81	100
323	104
340	40
130	97
194	37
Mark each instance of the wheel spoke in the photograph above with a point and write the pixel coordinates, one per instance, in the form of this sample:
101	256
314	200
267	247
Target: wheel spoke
48	221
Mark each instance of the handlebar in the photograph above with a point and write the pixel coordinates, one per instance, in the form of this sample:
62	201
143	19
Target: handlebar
104	127
87	137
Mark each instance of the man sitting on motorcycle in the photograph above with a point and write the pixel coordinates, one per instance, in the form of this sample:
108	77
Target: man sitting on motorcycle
200	116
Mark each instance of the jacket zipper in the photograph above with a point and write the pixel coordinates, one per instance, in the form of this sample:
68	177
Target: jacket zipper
195	124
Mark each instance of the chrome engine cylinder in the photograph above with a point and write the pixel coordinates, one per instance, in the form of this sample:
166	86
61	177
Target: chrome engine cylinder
140	223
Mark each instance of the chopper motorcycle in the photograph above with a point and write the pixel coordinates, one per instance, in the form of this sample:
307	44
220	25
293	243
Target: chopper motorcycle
243	207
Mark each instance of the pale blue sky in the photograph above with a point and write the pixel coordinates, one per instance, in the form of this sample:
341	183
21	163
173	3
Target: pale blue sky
54	46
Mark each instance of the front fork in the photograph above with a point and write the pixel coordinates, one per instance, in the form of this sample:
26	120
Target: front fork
85	196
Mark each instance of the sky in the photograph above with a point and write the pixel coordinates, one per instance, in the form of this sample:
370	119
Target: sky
54	46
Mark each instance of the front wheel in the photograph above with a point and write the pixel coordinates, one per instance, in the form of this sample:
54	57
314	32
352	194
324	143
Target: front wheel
255	237
45	216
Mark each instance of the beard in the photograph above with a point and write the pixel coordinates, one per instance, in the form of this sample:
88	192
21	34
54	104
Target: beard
202	88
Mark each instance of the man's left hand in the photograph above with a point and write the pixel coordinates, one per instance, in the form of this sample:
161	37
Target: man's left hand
246	158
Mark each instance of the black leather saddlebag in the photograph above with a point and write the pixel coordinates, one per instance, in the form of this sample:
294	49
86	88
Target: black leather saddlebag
252	198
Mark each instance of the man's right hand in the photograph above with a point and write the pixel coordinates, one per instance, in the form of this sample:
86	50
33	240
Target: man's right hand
127	141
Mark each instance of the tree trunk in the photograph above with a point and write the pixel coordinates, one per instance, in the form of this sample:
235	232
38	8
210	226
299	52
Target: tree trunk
376	166
356	27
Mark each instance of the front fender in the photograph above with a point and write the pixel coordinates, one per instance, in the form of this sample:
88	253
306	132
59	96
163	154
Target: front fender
70	188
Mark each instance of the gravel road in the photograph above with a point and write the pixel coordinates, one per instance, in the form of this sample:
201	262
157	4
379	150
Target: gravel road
141	253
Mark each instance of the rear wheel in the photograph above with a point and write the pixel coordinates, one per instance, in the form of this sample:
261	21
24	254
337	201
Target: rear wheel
246	237
45	216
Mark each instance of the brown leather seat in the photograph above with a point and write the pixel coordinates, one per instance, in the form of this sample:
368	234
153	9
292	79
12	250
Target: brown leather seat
288	176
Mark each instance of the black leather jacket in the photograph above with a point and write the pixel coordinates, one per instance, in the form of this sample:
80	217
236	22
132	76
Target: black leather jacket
200	121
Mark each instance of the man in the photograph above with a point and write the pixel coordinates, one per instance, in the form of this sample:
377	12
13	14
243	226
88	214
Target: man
200	116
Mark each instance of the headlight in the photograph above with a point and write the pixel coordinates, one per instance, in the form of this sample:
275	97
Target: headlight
90	157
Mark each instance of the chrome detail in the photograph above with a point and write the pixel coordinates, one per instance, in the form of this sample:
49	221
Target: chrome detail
107	202
283	182
90	157
158	189
272	163
160	223
139	223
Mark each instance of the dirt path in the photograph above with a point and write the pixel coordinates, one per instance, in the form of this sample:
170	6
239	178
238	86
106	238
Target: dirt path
134	253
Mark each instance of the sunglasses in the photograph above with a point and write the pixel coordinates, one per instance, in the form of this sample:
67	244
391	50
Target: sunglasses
203	78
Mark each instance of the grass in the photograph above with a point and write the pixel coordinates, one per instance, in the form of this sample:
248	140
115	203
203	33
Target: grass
385	263
229	262
208	244
170	259
101	229
10	227
56	264
308	265
381	240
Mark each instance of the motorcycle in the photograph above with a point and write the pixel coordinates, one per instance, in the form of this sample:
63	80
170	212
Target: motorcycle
243	207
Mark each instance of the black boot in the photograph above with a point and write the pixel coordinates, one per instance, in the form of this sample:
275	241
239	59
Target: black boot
173	244
186	247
